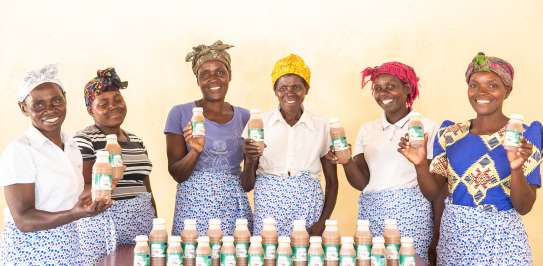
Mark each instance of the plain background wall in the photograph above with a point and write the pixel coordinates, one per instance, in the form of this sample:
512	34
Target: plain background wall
146	41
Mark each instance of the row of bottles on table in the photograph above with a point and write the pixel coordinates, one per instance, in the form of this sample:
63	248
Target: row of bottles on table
107	170
269	249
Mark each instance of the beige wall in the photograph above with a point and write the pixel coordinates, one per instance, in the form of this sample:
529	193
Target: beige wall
147	44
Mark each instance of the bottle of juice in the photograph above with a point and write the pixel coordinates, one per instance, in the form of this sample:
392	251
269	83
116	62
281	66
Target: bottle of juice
197	121
315	252
407	252
215	235
141	251
284	252
102	174
299	240
159	239
242	235
256	253
362	240
347	254
256	126
115	158
378	252
189	237
392	242
269	241
339	141
331	240
513	132
228	251
415	130
203	252
175	252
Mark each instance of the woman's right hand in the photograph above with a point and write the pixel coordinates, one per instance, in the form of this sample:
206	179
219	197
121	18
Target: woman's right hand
86	207
253	149
195	143
415	155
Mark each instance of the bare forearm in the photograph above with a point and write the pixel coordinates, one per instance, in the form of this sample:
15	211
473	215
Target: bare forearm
248	175
330	197
35	220
522	194
182	169
429	184
355	176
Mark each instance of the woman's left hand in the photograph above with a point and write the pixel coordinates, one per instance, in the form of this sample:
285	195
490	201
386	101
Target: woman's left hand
518	157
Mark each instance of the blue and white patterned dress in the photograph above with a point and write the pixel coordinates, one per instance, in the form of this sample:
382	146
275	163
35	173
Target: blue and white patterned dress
479	224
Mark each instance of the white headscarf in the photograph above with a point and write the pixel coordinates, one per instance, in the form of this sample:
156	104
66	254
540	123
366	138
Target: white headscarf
36	77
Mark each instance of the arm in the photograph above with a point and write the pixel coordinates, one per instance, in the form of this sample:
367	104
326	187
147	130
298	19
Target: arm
180	162
523	194
330	195
357	172
87	171
251	153
147	184
20	199
438	205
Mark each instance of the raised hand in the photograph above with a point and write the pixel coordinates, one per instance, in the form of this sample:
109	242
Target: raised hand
86	207
195	142
518	157
415	155
253	149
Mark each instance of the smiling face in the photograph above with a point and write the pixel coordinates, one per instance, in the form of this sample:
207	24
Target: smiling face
486	93
390	93
108	109
213	78
46	107
290	91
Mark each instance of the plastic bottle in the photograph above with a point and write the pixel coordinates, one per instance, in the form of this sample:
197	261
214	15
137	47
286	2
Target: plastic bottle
299	240
407	252
513	132
256	253
189	237
392	242
284	252
415	130
159	239
347	254
175	252
256	127
141	251
102	175
339	141
362	240
197	121
115	158
331	242
242	236
203	252
269	241
378	252
215	235
315	252
228	251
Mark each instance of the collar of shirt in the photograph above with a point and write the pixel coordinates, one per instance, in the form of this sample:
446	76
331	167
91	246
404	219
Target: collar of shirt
37	139
390	130
305	119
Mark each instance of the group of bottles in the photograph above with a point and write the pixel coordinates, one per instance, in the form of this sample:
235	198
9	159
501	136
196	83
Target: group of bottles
269	249
107	170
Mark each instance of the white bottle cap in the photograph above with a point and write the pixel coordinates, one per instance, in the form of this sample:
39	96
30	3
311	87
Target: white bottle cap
269	220
256	239
111	138
517	117
284	240
390	222
226	239
330	222
414	114
406	241
215	222
174	239
345	240
299	225
159	221
254	111
203	239
315	239
198	110
333	120
363	223
378	239
142	238
102	156
241	221
189	223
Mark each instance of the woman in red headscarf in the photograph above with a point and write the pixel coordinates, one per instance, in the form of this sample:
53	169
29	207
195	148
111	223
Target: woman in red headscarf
388	181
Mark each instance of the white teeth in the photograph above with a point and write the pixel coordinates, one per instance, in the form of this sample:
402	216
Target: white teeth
387	101
291	101
52	120
214	88
483	101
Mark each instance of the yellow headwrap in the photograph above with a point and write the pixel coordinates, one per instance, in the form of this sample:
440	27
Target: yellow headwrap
291	64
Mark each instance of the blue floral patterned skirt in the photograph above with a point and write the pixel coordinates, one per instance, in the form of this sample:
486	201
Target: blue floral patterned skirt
132	217
97	237
473	236
211	194
57	246
287	198
412	211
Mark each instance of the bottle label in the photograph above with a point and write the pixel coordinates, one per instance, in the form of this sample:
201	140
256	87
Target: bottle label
241	249
228	259
392	251
416	132
175	259
363	251
158	249
256	260
101	181
203	260
215	250
256	134
142	259
284	260
340	143
378	260
407	260
190	250
347	260
316	260
299	253
331	252
198	128
512	138
116	160
269	251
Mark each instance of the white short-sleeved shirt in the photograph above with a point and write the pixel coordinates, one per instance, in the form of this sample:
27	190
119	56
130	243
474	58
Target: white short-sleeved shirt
57	174
378	140
291	150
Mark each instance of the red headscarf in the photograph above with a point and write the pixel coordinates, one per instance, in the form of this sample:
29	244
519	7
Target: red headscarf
403	72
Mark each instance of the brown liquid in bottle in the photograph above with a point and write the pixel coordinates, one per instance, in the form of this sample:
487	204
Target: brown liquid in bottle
331	242
347	254
242	236
256	253
392	242
415	129
115	158
203	252
141	251
513	132
215	235
101	177
197	122
378	252
284	252
175	252
315	253
407	252
159	239
362	240
228	252
339	141
269	241
189	237
299	241
256	127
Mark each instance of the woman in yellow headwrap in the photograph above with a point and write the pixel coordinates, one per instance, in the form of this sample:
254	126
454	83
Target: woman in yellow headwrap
285	174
